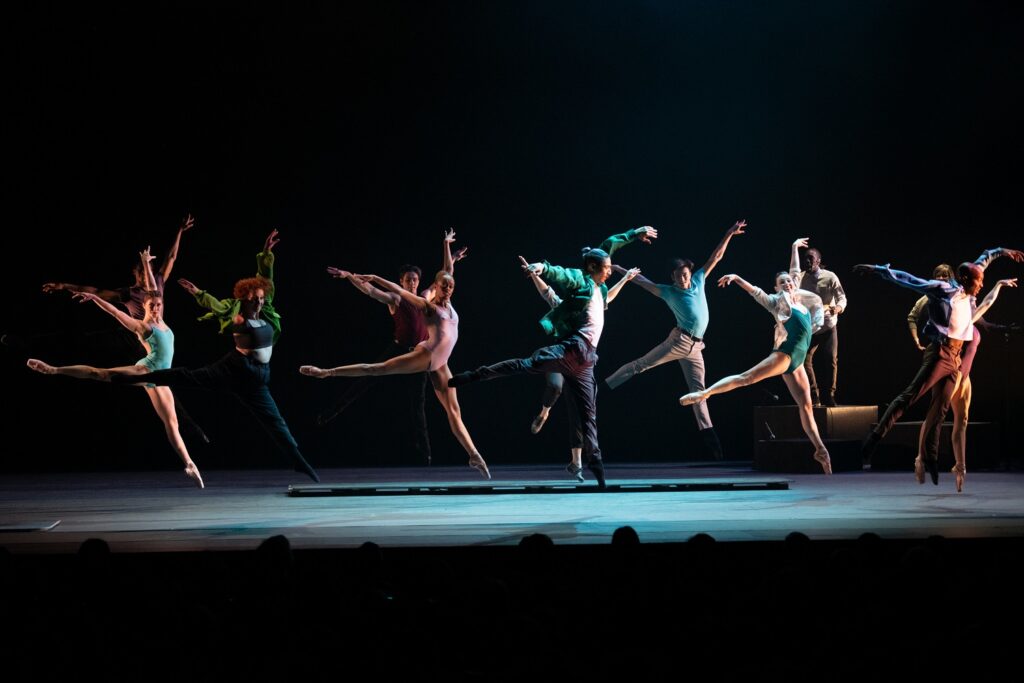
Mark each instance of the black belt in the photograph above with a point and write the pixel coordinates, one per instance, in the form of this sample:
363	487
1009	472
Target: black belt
687	334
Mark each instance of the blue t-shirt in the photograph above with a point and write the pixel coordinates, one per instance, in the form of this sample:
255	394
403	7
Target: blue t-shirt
690	306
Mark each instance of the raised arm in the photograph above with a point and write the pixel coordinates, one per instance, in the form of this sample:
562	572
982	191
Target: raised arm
136	326
794	259
991	297
148	279
219	307
448	259
915	319
644	233
639	280
172	255
990	255
617	287
760	296
903	279
395	288
719	252
105	294
389	298
546	291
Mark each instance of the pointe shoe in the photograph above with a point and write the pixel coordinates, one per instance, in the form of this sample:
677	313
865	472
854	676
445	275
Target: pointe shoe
919	470
476	461
690	399
538	423
575	471
40	366
192	472
825	461
961	473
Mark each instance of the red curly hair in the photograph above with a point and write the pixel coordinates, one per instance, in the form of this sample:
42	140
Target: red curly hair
249	285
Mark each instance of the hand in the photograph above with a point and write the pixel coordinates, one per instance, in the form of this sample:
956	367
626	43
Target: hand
801	243
727	280
737	227
630	274
146	256
51	287
1009	282
85	296
271	241
863	268
1015	254
646	233
314	371
918	345
526	267
533	269
460	254
338	273
188	286
186	223
1013	328
449	235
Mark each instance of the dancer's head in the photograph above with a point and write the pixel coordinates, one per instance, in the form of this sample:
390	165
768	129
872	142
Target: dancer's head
252	292
140	277
812	260
598	264
682	272
971	277
153	305
409	277
943	271
444	286
784	282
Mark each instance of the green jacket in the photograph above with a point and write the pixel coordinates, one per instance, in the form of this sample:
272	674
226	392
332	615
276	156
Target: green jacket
577	287
226	310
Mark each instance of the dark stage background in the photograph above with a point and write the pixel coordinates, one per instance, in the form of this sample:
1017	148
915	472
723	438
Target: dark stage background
885	131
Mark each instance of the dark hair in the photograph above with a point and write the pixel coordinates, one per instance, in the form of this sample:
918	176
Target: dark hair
247	286
151	294
409	268
965	270
678	263
781	272
595	256
943	271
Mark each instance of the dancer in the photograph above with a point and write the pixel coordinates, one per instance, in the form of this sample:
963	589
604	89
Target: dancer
960	401
951	308
430	355
798	314
245	370
686	298
577	322
158	340
410	330
826	285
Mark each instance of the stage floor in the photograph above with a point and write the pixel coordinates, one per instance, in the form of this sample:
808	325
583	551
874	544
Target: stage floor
161	511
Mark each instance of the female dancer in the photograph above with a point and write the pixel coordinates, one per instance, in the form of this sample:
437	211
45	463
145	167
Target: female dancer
158	340
798	314
430	355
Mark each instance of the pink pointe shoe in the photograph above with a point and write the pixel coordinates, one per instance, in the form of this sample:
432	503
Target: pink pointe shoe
476	461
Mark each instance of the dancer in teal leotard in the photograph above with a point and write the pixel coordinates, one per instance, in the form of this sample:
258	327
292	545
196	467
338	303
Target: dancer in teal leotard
798	315
158	340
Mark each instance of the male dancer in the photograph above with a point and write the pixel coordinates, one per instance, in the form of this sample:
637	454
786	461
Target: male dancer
577	323
951	307
686	298
825	284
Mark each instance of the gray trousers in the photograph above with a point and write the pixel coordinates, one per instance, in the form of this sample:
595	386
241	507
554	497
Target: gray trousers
678	346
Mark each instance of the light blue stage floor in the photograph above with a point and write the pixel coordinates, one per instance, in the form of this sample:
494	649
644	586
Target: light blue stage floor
161	511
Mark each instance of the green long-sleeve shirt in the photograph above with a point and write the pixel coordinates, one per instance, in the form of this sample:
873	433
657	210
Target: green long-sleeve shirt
577	287
226	310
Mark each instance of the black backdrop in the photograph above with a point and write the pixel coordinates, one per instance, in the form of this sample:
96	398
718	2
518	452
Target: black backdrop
884	131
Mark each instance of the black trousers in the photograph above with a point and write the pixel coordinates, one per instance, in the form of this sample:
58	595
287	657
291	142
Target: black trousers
940	365
828	342
574	359
411	392
247	379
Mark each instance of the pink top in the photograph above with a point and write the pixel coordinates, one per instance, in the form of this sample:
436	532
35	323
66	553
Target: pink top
442	333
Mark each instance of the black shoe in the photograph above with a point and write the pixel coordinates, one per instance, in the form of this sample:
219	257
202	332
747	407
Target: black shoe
868	446
596	467
460	378
575	471
933	469
711	442
831	402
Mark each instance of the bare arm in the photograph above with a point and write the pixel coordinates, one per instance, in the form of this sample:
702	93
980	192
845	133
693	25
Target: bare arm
719	252
614	291
417	301
639	280
389	298
105	294
148	279
448	260
794	260
136	326
990	299
172	255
